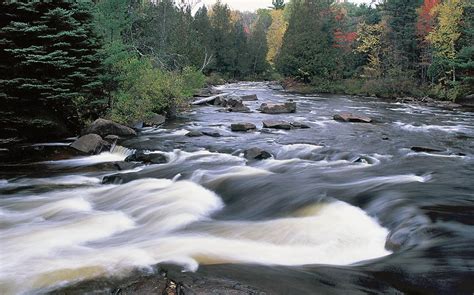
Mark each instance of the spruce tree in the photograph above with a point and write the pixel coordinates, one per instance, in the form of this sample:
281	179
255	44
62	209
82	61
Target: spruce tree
49	67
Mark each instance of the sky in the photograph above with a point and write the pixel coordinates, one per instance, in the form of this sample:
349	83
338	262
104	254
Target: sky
252	5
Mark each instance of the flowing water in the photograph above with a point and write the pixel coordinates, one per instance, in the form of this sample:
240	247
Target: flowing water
339	208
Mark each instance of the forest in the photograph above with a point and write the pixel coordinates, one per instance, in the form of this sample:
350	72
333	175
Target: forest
66	63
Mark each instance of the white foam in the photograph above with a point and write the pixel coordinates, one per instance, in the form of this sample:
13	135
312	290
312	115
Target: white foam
301	150
427	128
84	233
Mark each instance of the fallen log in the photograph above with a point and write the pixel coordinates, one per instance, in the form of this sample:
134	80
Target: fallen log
209	99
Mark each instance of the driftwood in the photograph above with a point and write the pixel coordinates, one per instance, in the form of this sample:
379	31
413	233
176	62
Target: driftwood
209	99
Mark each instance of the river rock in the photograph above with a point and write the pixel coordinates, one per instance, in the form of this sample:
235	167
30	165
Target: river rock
242	127
194	133
256	154
155	120
90	144
299	125
211	132
273	108
104	127
277	125
151	158
251	97
425	149
239	109
348	117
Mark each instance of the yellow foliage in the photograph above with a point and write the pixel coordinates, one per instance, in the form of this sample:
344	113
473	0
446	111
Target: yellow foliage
447	32
369	39
275	34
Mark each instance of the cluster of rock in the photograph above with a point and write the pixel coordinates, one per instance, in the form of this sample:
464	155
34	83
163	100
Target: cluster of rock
100	135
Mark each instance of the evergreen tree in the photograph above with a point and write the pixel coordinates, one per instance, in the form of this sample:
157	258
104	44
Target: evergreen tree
307	49
222	38
49	66
278	4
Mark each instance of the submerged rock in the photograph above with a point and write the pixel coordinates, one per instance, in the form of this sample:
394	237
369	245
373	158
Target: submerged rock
251	97
90	144
273	108
194	133
299	125
256	154
420	149
211	132
151	158
242	126
239	109
277	125
104	127
348	117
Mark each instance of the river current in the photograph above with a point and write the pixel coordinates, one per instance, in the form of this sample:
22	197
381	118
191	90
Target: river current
340	208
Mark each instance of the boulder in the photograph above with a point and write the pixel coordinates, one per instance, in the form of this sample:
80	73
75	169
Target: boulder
299	125
229	101
152	158
242	127
194	133
104	127
425	149
277	125
90	144
273	108
239	109
256	154
155	120
251	97
467	101
348	117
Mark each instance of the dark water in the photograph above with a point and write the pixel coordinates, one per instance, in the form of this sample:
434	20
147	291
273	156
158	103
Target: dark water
341	208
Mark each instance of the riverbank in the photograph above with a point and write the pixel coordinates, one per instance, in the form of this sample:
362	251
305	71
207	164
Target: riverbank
357	88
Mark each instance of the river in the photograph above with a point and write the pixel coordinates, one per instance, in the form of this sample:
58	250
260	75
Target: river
340	208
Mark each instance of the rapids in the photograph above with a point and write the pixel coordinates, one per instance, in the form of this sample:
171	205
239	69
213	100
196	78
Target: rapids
339	208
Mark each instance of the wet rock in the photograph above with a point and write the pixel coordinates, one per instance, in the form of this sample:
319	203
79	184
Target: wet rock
151	158
251	97
239	109
273	108
397	239
90	144
211	133
420	149
348	117
125	165
242	127
112	138
194	133
277	125
104	127
256	154
136	125
155	120
299	125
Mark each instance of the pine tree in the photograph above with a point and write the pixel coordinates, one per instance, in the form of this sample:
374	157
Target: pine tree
50	66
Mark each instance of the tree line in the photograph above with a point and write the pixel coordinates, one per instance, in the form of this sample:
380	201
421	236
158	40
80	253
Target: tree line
64	63
393	48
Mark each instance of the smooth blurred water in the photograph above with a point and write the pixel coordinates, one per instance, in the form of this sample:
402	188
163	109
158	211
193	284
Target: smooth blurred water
315	217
